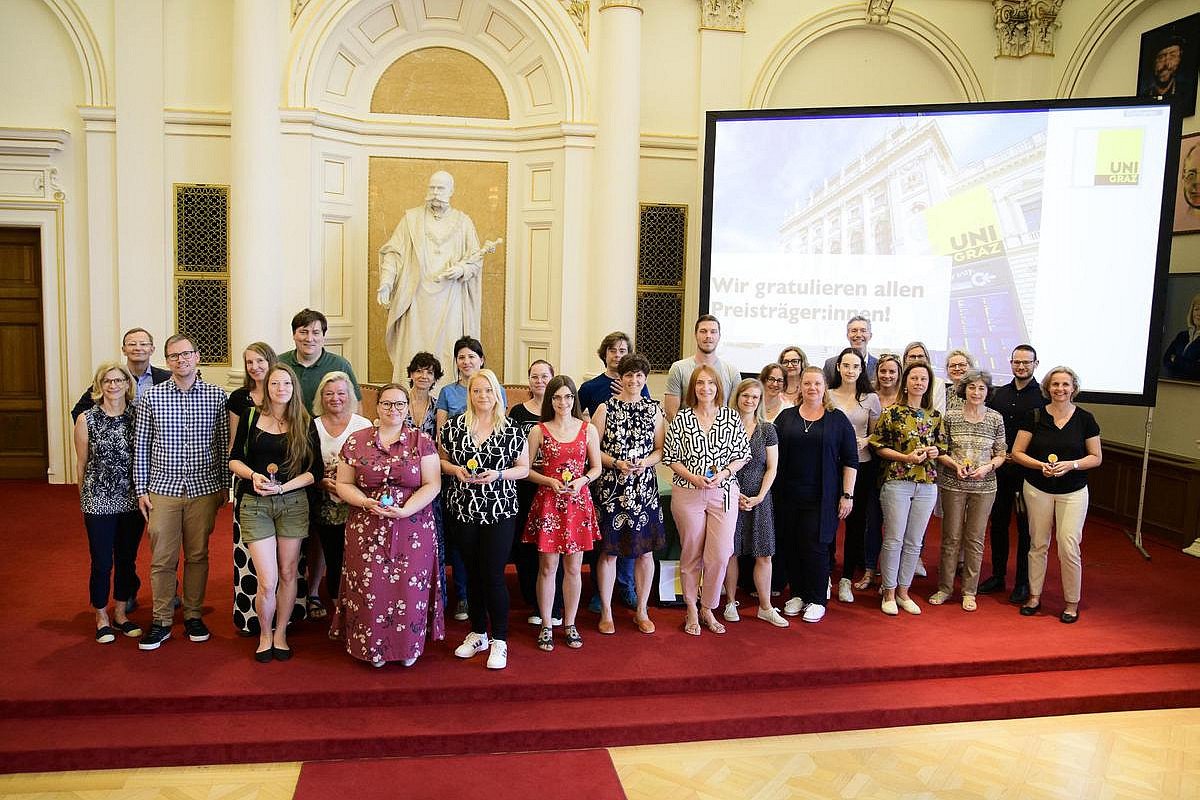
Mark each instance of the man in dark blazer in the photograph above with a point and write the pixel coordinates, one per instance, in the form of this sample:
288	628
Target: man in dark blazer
137	345
858	334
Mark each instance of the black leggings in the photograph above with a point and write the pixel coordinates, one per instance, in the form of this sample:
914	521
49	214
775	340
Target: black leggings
798	539
485	549
864	526
333	542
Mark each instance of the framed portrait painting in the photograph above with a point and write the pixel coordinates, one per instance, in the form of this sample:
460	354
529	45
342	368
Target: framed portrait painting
1168	63
1187	186
1181	329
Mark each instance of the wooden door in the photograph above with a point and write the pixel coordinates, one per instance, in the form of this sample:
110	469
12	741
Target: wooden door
23	443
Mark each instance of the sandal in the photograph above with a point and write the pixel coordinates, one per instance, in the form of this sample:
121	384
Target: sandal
545	640
644	624
864	582
571	634
691	628
968	602
316	609
710	621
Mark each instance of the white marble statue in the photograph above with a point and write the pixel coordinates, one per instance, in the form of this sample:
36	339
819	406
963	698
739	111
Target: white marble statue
430	276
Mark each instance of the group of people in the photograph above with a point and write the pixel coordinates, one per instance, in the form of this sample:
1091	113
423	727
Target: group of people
764	471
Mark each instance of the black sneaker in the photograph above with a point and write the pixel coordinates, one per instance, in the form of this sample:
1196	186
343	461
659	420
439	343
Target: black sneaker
197	631
992	584
154	637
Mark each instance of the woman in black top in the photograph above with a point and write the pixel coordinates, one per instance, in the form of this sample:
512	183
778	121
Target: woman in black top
813	490
1056	445
275	455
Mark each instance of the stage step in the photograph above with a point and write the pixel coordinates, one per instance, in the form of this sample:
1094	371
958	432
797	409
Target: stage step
167	736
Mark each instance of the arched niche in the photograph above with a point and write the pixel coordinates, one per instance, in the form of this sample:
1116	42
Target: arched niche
439	82
838	59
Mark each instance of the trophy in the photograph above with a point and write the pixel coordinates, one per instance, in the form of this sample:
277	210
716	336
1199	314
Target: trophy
1052	459
472	465
567	476
709	472
386	499
272	471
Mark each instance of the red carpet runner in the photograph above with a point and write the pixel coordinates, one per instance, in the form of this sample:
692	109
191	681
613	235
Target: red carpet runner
68	703
579	774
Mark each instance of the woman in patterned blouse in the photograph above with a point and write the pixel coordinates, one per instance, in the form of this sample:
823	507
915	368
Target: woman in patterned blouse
483	453
909	438
705	447
104	447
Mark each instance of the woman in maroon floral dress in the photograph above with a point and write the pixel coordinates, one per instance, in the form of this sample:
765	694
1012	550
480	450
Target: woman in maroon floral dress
390	594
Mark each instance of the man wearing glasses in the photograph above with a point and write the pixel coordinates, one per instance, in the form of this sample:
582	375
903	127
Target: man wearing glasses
137	345
858	334
180	474
1014	401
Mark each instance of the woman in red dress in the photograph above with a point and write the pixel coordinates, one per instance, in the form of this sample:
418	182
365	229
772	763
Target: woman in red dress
562	520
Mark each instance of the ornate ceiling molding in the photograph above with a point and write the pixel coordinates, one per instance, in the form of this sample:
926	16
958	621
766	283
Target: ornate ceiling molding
723	15
1026	26
577	10
879	11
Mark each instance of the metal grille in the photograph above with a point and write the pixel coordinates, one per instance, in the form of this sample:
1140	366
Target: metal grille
659	334
202	269
662	264
201	228
202	312
662	245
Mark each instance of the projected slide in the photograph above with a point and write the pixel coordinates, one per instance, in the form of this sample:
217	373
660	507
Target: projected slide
977	229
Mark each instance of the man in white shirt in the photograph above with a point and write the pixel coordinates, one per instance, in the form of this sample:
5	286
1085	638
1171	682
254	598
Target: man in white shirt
708	336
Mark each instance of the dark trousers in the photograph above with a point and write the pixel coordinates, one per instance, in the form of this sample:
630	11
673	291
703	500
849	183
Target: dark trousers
333	542
1009	480
113	541
864	526
485	550
798	539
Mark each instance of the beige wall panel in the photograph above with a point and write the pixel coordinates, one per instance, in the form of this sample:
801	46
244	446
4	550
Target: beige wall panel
440	81
537	81
537	278
43	80
506	34
335	179
340	74
380	23
670	73
443	9
540	183
480	187
198	68
333	262
831	72
22	183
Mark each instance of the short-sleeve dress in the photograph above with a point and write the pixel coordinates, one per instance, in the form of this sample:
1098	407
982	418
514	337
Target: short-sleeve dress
755	531
562	523
631	521
390	594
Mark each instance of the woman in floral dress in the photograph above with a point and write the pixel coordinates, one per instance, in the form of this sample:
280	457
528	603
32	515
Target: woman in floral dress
562	520
631	431
390	595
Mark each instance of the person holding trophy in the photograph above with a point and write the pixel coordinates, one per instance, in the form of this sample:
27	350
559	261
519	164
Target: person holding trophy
276	454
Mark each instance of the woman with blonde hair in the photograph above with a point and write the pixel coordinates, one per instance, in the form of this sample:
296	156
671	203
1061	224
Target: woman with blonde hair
818	468
276	454
483	452
887	385
705	447
104	449
335	406
390	599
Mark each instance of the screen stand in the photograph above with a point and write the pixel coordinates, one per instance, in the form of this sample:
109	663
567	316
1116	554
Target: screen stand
1136	535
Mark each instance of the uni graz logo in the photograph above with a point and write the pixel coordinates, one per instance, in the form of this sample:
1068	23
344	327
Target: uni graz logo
1118	157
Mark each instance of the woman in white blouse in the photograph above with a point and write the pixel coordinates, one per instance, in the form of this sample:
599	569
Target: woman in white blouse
705	447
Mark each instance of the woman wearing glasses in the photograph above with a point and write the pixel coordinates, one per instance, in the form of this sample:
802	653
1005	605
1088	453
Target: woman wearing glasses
390	596
773	378
562	520
794	362
104	447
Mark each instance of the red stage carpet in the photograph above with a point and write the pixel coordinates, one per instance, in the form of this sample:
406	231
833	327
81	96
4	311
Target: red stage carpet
69	703
581	774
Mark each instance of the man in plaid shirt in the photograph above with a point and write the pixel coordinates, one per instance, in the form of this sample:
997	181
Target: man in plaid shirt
180	472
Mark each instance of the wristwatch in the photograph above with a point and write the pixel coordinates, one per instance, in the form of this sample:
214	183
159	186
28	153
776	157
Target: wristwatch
847	496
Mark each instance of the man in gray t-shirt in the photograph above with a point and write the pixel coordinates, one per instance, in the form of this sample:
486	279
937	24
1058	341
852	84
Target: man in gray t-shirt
708	336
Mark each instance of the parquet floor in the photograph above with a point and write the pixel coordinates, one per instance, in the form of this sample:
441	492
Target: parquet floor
1120	756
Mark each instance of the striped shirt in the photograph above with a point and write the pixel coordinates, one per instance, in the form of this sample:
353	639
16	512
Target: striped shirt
181	440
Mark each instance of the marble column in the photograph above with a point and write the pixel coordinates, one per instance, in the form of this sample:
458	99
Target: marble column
613	273
256	271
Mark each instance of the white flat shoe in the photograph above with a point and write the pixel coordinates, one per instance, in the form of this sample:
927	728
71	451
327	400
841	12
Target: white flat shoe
908	605
814	613
731	612
774	617
845	591
889	607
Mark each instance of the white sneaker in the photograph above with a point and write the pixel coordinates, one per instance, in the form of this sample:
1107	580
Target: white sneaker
534	619
815	612
498	658
408	662
460	611
731	612
919	571
793	607
774	617
828	588
474	643
845	591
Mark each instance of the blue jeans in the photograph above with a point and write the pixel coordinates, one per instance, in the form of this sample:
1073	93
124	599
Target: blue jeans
907	506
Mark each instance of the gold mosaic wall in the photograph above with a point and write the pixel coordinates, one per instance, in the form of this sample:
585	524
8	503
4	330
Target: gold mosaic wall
439	81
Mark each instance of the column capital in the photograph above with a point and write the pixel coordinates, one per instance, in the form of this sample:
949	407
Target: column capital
723	15
607	4
1026	26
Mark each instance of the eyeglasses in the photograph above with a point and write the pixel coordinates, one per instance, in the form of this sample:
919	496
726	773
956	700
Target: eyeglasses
139	344
1016	363
182	354
388	405
113	381
790	362
774	380
956	366
566	398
